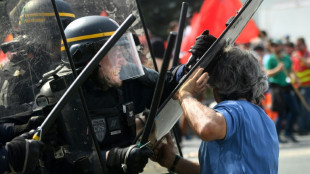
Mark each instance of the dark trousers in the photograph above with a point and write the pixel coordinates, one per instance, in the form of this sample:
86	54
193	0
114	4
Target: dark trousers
289	113
304	120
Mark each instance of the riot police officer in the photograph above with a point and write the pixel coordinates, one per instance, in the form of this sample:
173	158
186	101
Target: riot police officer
117	90
33	52
30	58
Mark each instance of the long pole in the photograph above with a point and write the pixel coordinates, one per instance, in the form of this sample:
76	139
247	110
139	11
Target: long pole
158	90
180	34
147	35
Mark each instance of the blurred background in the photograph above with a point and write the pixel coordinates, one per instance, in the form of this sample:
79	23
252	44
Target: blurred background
282	18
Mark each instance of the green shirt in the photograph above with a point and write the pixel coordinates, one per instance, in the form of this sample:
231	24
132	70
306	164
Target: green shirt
280	77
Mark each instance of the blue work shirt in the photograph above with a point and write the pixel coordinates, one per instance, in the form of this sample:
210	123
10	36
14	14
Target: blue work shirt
250	146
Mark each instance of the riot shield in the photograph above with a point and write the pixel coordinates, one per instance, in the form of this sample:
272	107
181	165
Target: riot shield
170	111
28	67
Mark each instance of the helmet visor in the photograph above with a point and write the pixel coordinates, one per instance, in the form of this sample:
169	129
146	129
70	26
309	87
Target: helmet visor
122	61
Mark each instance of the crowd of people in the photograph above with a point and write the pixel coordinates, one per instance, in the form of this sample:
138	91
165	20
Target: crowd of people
286	63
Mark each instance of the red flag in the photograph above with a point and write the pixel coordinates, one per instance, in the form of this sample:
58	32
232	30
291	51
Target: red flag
3	57
213	16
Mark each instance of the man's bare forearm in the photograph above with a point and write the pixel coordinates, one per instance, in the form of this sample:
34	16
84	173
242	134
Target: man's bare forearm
207	124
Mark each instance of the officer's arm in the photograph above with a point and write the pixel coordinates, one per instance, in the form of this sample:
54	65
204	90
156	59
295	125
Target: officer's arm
131	159
172	78
149	78
10	130
6	132
23	153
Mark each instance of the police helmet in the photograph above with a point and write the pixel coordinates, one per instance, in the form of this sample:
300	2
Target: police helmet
38	15
86	35
38	25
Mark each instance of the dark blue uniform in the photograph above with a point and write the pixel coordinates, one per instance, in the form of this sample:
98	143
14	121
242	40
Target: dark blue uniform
112	125
6	134
4	159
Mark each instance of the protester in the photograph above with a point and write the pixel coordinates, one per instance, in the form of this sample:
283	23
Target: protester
289	48
301	67
259	52
284	101
230	131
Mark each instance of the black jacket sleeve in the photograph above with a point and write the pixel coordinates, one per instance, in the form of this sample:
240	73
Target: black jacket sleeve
141	90
6	132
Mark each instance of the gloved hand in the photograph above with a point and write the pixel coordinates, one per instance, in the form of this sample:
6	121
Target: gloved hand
23	153
202	44
131	159
32	123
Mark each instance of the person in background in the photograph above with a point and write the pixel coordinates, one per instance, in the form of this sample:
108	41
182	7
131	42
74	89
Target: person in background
259	52
289	48
284	101
301	67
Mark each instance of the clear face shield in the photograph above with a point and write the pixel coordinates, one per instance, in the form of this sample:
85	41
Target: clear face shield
122	62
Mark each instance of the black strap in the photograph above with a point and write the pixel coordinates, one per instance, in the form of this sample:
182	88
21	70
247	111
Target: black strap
176	159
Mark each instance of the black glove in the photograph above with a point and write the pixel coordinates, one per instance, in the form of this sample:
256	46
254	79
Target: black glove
202	44
32	123
23	153
131	159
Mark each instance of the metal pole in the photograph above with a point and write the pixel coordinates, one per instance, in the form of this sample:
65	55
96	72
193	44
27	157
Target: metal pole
147	35
158	90
180	34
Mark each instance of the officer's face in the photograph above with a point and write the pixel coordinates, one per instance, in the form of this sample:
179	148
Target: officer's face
111	65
